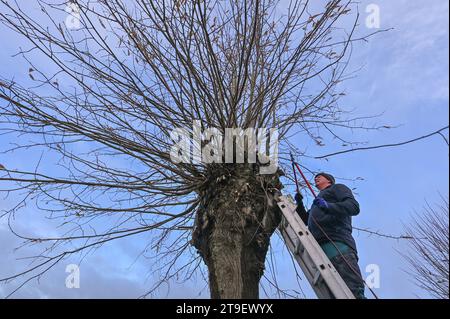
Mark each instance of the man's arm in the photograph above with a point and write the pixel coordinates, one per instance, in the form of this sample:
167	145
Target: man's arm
301	211
346	204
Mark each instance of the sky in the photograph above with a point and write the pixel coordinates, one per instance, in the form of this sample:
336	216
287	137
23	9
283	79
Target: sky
403	74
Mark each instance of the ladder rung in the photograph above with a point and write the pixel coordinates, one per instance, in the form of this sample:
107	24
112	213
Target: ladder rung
317	277
284	223
299	248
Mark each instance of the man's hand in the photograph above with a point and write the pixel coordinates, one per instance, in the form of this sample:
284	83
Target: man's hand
320	202
298	198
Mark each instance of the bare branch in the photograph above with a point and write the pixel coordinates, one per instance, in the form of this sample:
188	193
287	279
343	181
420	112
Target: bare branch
385	145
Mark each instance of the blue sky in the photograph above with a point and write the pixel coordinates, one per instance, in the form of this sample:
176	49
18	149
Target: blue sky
404	74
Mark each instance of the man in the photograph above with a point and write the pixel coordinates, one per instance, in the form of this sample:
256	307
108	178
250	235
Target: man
330	221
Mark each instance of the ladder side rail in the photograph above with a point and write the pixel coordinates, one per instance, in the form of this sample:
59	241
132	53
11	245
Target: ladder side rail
309	269
320	261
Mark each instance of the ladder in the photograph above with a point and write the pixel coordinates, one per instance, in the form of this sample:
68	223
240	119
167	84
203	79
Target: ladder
318	269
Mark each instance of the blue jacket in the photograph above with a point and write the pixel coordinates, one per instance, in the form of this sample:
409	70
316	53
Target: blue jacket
336	221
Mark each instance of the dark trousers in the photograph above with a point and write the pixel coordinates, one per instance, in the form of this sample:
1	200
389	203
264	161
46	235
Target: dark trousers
353	279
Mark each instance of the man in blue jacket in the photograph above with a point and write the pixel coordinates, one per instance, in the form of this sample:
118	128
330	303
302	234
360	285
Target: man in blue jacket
330	221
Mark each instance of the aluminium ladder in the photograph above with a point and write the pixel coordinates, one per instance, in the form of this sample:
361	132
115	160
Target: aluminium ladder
318	269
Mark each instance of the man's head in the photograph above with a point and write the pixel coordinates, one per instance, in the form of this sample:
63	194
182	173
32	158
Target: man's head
323	180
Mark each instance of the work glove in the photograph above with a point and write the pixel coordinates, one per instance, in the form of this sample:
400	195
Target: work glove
320	202
298	198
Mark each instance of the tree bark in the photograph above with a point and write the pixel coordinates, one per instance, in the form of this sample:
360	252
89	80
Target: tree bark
233	231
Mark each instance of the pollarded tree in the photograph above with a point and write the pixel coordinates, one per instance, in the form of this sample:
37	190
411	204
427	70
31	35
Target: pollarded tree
120	76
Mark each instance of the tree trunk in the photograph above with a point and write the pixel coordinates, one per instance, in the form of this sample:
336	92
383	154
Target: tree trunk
233	231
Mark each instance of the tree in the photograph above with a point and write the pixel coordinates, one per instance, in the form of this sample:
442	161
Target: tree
429	255
132	73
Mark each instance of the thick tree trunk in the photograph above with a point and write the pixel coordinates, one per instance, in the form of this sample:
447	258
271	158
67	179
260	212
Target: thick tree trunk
233	231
